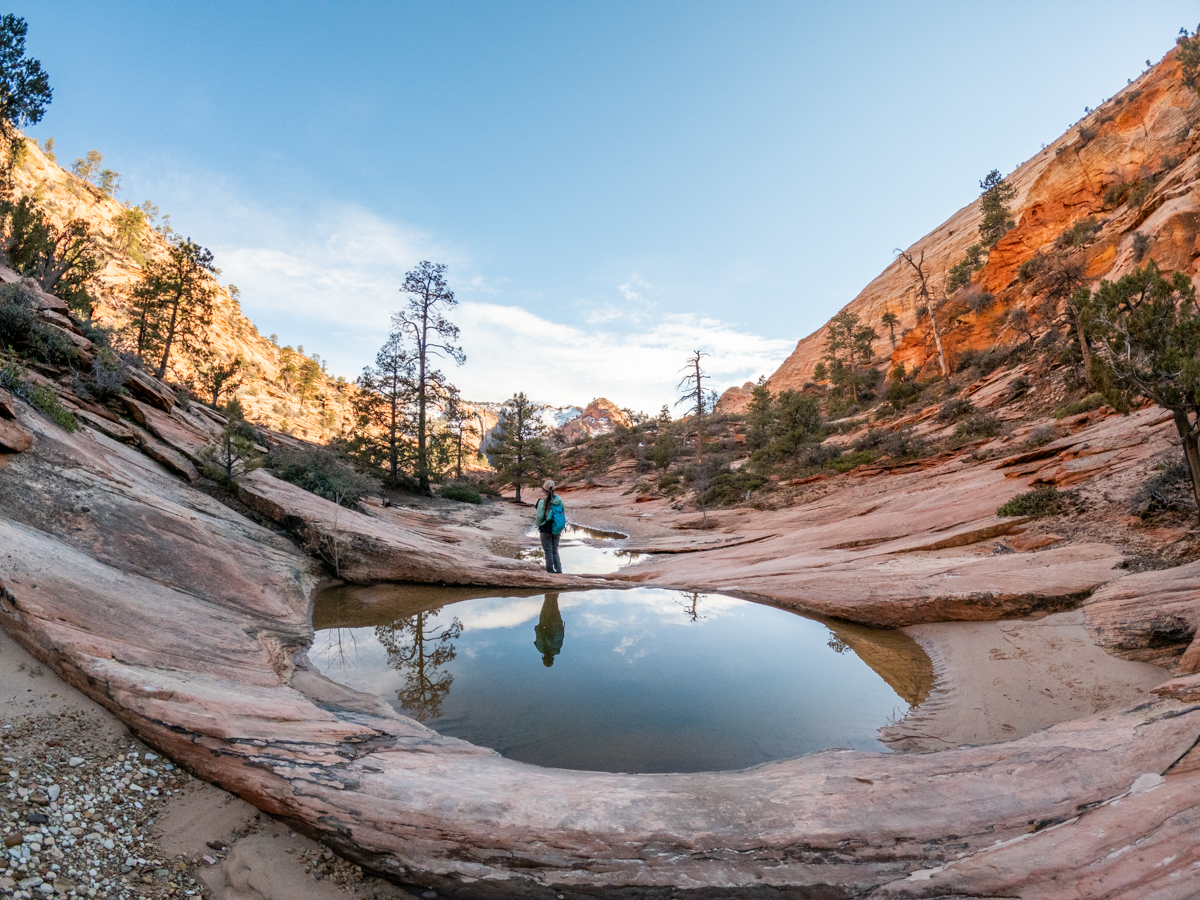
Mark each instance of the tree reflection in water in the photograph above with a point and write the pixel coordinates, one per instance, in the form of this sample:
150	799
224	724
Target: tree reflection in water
690	602
417	648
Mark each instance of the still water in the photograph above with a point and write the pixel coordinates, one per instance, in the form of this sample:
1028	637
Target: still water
584	551
642	680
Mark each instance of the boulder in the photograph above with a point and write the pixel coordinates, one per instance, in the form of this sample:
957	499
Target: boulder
14	438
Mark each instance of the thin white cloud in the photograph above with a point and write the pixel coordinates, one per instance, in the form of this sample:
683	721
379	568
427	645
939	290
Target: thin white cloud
330	280
510	349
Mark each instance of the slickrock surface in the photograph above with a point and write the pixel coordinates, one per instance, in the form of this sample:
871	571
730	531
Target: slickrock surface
189	621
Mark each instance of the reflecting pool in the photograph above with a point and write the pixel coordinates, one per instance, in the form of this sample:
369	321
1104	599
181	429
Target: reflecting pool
584	551
642	680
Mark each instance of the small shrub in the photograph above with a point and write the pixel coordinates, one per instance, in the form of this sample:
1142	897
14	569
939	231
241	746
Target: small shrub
1044	500
22	328
954	409
1141	243
1140	192
980	301
1042	435
463	493
986	361
45	398
1086	135
1078	235
13	375
872	439
980	425
727	487
1032	268
1168	491
901	393
1087	404
852	460
1018	387
1117	194
904	443
817	455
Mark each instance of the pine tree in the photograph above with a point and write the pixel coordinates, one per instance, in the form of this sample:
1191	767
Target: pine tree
173	304
431	335
383	406
24	88
517	450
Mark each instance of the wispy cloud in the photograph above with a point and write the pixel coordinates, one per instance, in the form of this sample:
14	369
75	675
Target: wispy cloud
511	349
330	281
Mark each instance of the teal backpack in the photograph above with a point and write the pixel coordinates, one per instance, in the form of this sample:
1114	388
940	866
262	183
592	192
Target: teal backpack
555	521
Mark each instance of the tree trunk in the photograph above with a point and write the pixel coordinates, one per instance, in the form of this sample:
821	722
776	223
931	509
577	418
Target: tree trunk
422	469
937	338
1191	449
1084	349
162	367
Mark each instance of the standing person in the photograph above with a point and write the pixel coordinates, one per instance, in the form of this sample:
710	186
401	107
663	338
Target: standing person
551	520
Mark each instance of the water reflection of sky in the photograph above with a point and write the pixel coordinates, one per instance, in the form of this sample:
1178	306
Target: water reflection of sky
583	552
644	680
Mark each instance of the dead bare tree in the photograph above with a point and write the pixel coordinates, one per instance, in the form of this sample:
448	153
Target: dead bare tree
692	385
918	266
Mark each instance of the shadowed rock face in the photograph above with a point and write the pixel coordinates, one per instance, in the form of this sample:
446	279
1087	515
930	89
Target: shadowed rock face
190	623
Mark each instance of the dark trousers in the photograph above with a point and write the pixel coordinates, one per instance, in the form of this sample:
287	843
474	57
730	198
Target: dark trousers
550	546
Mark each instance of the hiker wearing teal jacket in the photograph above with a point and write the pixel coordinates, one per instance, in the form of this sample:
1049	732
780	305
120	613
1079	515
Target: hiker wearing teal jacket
550	521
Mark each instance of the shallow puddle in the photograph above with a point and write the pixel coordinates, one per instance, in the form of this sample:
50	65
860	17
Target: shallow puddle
642	680
584	551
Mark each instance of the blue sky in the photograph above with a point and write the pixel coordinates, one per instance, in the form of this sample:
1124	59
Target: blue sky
611	184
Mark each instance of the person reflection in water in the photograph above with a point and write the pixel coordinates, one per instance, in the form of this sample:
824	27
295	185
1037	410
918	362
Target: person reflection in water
549	631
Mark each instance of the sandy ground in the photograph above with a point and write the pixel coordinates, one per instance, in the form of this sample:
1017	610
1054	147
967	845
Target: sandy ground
997	681
261	859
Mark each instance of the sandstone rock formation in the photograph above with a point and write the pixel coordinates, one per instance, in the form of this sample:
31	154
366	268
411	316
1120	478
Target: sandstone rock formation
599	417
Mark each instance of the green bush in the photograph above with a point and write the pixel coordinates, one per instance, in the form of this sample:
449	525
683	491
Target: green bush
1044	500
323	472
904	443
954	409
463	493
45	398
726	488
1087	404
1042	435
852	460
22	328
901	393
980	425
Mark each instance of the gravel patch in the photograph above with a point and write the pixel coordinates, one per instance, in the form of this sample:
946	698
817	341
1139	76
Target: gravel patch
76	813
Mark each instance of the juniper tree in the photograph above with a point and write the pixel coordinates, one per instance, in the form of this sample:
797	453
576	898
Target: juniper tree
996	220
890	320
459	423
64	260
235	453
216	377
1146	333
